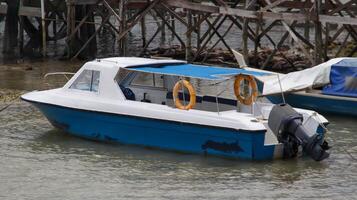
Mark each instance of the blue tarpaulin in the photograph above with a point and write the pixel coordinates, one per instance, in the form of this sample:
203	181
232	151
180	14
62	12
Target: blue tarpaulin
343	79
196	71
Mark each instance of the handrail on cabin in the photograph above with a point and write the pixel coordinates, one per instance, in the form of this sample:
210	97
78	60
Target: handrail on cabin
59	73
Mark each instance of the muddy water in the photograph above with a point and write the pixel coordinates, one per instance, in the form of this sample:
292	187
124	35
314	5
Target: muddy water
40	162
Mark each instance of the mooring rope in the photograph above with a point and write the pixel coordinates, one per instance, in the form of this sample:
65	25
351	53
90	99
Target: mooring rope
12	101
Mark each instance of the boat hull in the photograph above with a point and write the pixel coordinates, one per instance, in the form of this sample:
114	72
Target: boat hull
319	102
162	134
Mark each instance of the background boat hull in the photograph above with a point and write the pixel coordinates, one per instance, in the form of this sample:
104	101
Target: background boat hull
320	103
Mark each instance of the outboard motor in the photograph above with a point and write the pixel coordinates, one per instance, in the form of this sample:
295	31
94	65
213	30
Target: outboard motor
286	124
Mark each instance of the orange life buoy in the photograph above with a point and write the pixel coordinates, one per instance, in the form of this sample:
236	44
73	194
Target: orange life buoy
246	100
191	90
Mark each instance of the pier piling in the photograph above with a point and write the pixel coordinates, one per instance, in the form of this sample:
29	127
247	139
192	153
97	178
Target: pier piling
320	29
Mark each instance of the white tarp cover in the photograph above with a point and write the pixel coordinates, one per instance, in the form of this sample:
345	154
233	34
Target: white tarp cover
294	81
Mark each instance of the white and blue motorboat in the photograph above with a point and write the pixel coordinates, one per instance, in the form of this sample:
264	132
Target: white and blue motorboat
152	103
330	87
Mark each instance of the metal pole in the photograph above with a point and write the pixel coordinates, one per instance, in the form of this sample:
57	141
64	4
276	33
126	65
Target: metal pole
43	28
281	89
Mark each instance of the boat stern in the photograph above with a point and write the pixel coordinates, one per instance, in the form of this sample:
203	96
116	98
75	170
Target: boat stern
293	132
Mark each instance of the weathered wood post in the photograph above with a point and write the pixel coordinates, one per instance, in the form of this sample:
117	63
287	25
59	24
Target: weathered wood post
163	30
173	27
11	27
21	33
198	30
318	33
245	34
307	23
70	26
327	33
143	31
258	26
122	14
43	23
188	35
54	27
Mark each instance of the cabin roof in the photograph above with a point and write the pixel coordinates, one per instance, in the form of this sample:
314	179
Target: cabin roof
195	71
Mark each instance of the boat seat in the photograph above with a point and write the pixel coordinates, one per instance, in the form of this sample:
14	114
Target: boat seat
128	93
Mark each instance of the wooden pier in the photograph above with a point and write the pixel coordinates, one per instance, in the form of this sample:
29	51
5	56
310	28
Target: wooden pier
32	24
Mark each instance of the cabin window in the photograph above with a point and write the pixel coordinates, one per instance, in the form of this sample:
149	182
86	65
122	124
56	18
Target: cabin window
88	80
148	79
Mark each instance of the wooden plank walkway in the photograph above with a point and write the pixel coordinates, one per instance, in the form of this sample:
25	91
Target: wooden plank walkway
254	19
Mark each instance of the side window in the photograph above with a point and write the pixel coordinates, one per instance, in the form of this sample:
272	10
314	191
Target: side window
143	79
148	79
88	80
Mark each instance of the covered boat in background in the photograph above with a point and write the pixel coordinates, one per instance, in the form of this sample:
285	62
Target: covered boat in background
141	101
330	87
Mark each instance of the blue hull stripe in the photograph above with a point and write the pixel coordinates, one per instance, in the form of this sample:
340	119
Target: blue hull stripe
319	104
161	134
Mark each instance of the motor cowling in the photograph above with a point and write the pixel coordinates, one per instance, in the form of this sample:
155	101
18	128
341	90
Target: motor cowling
287	125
